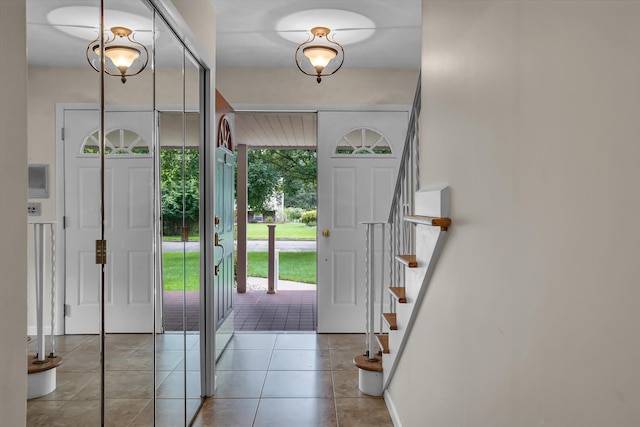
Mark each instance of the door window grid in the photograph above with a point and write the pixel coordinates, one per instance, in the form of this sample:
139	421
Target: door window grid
118	142
362	141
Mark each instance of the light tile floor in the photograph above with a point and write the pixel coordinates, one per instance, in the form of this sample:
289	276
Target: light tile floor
291	380
263	379
129	381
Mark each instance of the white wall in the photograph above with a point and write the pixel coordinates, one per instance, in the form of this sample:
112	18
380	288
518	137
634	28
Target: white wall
50	85
288	86
13	224
530	114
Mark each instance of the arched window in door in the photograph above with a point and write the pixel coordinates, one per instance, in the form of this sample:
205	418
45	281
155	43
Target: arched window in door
118	142
363	141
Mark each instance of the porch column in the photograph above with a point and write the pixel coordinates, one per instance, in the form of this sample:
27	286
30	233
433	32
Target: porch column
241	218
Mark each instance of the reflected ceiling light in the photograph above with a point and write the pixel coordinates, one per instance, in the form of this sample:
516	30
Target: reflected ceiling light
124	56
319	56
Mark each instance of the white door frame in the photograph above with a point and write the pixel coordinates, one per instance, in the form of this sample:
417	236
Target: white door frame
59	302
330	313
60	203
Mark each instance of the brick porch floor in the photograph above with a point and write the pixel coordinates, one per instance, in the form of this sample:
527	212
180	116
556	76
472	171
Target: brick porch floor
255	310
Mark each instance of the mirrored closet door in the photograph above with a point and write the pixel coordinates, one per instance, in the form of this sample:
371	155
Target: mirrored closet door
126	209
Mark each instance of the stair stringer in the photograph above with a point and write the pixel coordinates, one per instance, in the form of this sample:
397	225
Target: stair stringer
429	243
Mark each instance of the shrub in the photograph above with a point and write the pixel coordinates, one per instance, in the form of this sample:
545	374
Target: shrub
293	213
309	218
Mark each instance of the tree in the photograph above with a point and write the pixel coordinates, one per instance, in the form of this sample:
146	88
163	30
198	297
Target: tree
263	182
291	172
180	183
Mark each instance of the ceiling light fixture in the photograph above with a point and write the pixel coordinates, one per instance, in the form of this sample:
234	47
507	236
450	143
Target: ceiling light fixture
126	57
319	56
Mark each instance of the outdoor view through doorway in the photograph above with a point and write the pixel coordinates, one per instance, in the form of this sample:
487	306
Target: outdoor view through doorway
281	192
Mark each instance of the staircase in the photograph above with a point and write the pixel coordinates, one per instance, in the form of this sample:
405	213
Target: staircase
429	228
418	223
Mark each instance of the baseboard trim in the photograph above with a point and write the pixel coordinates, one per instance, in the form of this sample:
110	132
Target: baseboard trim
392	409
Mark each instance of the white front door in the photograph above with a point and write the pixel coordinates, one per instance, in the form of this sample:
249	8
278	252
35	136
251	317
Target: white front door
129	221
358	158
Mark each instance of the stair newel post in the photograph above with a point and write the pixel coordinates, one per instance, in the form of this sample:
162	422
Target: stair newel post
369	365
38	250
41	369
370	291
381	278
53	290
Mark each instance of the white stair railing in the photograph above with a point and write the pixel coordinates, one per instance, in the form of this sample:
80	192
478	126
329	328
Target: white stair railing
44	240
400	233
370	284
407	184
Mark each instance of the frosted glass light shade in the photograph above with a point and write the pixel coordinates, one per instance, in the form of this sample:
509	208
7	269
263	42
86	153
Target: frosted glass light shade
122	56
320	55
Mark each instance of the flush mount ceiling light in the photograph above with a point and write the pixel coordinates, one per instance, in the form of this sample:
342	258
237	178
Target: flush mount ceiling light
319	56
124	57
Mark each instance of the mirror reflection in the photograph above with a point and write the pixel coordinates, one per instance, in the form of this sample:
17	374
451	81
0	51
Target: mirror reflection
127	171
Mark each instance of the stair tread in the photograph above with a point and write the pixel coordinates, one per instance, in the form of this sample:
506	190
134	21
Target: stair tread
33	366
408	260
443	223
399	293
362	361
383	342
391	320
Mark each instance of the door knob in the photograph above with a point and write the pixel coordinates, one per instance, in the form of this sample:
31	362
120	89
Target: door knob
326	233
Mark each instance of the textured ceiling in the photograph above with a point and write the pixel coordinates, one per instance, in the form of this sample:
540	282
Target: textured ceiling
276	130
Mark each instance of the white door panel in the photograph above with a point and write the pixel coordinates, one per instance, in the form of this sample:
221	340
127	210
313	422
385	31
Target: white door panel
128	222
352	188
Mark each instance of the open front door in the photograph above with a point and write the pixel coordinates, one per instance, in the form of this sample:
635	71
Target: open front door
225	184
358	157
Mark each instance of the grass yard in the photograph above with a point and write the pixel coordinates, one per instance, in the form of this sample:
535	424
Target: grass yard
295	266
260	231
286	231
192	238
175	270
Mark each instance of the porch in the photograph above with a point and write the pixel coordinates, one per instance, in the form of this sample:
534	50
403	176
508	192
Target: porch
292	308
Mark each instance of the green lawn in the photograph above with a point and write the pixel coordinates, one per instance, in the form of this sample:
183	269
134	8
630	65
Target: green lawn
295	266
175	270
192	238
286	231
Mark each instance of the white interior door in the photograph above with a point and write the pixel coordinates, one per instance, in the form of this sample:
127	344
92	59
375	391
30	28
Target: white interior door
129	220
358	157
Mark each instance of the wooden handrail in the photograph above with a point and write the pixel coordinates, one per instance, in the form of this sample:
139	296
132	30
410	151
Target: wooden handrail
443	223
391	320
399	293
408	260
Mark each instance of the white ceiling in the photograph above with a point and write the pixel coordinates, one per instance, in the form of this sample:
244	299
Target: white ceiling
247	32
250	33
248	36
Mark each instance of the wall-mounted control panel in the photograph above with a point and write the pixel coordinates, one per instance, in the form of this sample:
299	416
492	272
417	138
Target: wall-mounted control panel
34	208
